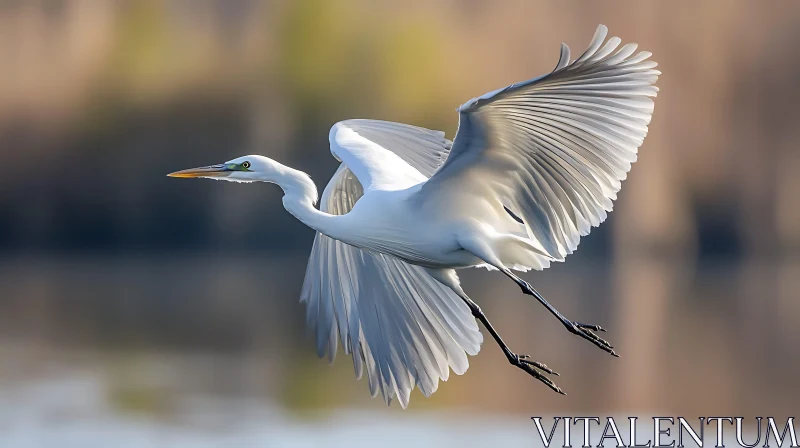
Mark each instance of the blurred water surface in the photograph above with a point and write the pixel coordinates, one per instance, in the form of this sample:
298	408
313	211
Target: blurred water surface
692	341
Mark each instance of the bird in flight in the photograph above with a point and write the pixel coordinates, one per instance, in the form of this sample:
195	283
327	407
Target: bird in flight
533	167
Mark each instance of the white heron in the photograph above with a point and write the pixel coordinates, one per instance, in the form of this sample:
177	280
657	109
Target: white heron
533	167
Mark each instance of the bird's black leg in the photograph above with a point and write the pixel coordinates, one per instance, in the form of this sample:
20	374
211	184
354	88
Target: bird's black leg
583	330
523	362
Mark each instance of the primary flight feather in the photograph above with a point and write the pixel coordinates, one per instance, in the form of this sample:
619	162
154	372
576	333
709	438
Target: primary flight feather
533	167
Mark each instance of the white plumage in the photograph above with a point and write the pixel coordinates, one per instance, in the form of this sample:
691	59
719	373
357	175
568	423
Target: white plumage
533	167
399	322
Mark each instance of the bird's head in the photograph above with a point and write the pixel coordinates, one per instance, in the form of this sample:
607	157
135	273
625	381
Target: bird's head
251	168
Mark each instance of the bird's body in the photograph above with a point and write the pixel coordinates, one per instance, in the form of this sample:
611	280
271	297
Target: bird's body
387	220
390	222
397	223
534	166
396	217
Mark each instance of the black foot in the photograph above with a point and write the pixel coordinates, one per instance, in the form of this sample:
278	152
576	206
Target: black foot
535	369
587	332
583	330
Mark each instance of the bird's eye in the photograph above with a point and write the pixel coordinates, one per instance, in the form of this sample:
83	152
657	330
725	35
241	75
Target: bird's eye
246	165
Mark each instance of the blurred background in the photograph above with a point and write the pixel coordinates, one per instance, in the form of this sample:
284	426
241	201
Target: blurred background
147	311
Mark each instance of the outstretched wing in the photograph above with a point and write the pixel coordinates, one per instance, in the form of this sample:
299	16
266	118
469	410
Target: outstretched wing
402	326
553	150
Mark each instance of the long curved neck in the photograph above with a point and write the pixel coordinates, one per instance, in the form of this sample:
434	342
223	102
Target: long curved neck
299	197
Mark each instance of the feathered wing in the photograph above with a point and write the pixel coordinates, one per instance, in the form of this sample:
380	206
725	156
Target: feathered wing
402	326
553	150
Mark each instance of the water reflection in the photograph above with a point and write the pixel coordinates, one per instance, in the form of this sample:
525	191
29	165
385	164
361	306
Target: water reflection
693	342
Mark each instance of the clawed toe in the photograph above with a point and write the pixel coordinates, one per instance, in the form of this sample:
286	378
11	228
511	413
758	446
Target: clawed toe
583	330
590	327
535	369
541	366
536	374
587	332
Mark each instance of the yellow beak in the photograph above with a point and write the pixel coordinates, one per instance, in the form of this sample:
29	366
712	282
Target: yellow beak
203	171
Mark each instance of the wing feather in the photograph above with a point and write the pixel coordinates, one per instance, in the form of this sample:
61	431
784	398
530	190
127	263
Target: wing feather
553	150
402	326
